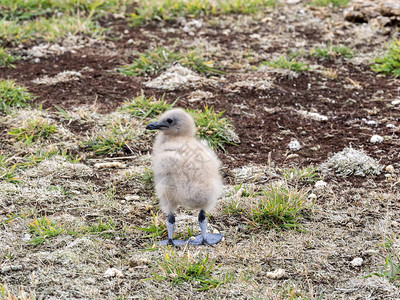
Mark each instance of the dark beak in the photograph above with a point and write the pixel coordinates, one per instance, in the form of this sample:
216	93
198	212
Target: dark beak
155	126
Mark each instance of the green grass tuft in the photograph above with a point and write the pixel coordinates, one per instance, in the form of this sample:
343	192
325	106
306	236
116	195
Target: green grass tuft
113	143
390	63
43	229
178	269
51	29
29	9
154	61
279	207
33	130
333	3
304	175
144	107
157	228
332	52
101	228
213	128
6	59
391	267
13	95
284	63
8	169
167	10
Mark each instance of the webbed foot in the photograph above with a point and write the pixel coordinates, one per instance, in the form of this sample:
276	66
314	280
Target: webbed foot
171	242
211	239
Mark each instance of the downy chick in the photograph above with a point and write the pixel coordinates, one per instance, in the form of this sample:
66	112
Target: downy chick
186	172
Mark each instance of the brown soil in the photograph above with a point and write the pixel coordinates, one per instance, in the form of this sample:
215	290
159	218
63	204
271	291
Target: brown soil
260	131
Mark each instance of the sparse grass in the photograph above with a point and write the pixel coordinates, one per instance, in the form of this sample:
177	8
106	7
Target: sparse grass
168	10
8	169
279	207
147	177
332	52
41	155
182	268
151	62
213	128
13	95
143	107
6	294
390	63
287	63
391	268
113	143
234	205
43	229
101	228
154	61
333	3
29	9
157	228
6	59
50	29
196	61
113	139
33	130
304	175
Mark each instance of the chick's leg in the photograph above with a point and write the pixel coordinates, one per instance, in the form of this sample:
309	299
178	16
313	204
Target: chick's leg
170	228
205	238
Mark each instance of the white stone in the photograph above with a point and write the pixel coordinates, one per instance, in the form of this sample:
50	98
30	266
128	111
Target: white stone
113	272
389	169
320	184
132	197
312	196
395	102
294	145
114	164
376	139
277	274
312	115
357	262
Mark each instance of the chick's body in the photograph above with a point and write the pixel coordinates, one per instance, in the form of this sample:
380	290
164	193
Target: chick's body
186	172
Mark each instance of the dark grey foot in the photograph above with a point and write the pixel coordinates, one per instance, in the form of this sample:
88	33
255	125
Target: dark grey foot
212	239
172	243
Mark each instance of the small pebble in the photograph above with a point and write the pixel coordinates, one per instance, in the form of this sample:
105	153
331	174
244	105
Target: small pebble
132	197
130	41
126	31
294	145
117	165
395	102
357	262
312	196
376	139
277	274
389	169
113	272
5	269
320	184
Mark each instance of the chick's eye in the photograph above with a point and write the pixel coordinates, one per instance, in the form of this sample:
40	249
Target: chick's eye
169	121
